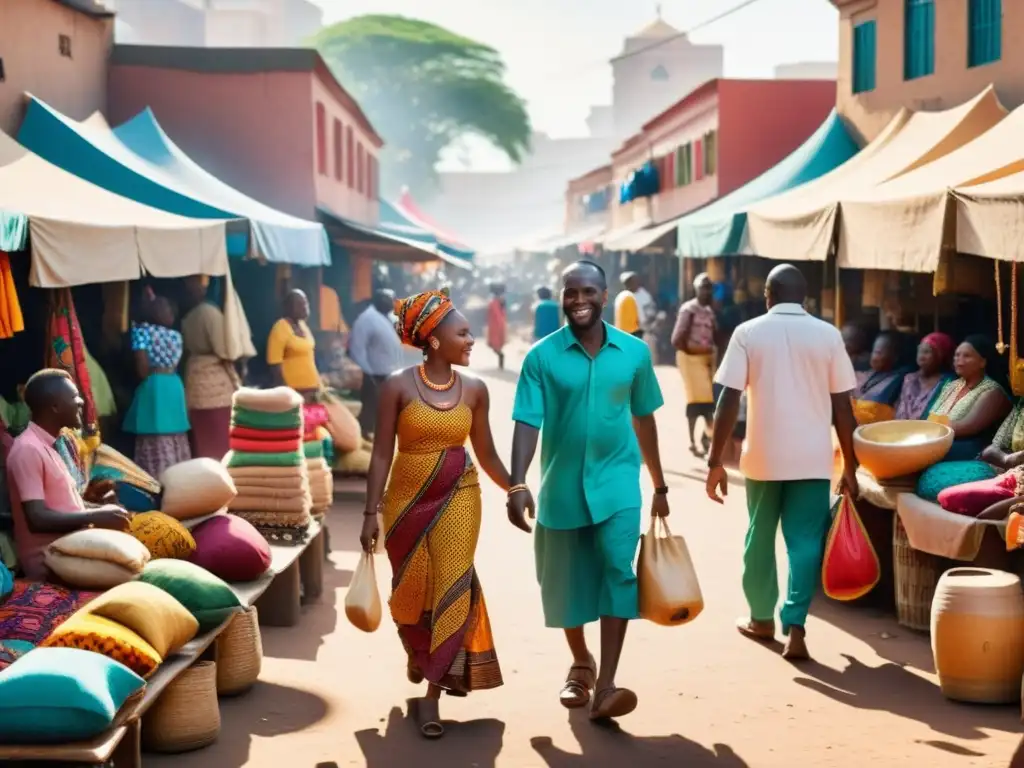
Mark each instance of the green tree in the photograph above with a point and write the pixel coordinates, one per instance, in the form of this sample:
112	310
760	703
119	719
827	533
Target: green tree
423	87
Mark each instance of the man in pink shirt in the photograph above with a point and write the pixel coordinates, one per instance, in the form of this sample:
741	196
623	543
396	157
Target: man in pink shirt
45	502
798	378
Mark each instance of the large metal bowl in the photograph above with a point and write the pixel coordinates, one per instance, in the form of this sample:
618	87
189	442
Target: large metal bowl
891	449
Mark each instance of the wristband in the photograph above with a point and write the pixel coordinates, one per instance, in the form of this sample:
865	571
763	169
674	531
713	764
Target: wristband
661	490
517	488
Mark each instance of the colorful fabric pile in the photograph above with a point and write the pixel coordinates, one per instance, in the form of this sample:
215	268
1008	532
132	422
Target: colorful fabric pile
268	464
318	448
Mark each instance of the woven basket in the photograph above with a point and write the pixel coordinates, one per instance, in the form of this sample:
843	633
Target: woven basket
187	714
239	654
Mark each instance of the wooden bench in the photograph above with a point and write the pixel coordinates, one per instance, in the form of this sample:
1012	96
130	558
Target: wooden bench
276	595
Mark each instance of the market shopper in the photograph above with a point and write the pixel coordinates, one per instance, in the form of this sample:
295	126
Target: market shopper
45	501
291	348
635	309
497	323
211	376
431	505
798	378
546	314
377	350
592	389
158	415
694	341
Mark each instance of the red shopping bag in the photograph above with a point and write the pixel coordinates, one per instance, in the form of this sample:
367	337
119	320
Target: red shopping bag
850	568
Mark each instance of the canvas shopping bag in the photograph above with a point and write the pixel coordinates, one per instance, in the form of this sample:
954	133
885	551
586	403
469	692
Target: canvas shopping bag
850	568
669	591
362	603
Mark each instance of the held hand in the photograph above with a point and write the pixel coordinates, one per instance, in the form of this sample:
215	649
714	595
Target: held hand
520	504
100	492
368	536
849	483
112	518
717	484
659	506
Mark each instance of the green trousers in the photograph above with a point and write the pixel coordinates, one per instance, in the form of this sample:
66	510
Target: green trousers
803	508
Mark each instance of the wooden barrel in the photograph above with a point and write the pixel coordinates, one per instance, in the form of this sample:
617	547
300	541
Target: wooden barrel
978	635
915	574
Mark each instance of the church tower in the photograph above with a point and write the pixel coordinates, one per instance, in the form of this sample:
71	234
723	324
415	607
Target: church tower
657	67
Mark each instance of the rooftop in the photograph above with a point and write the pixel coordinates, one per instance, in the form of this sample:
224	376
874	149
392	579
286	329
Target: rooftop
93	8
656	30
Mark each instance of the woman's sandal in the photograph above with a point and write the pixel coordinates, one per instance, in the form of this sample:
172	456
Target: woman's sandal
578	685
430	722
610	703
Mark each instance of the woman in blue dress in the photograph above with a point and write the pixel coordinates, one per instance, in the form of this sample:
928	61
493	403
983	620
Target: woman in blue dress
158	416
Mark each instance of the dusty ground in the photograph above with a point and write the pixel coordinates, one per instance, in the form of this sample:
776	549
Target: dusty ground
331	696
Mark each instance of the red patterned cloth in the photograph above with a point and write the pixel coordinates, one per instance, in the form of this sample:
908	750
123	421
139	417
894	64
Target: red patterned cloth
66	350
35	609
251	433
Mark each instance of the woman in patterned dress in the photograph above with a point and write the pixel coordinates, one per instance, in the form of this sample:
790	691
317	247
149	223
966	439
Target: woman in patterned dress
158	416
432	507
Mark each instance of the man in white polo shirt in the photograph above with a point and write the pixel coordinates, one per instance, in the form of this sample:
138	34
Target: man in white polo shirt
798	378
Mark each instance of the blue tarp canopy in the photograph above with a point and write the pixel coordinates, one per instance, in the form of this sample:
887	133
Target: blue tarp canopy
392	219
718	229
139	161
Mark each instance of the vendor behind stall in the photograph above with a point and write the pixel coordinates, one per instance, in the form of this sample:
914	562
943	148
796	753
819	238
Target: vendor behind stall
291	348
45	500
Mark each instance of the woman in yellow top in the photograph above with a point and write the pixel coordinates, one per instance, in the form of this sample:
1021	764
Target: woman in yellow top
291	348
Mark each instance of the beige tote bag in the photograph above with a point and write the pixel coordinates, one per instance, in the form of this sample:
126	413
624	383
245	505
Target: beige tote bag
669	591
362	603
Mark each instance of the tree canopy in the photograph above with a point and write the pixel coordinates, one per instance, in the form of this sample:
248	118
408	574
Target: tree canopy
423	87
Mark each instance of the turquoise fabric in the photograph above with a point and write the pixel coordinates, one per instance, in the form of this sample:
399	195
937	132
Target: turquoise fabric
158	407
719	229
584	407
586	573
139	161
59	695
547	318
6	581
13	231
946	474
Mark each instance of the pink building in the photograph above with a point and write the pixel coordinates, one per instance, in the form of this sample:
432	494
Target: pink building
714	140
273	122
56	50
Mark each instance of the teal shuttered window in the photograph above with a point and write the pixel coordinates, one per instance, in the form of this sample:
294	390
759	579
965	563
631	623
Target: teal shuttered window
919	39
864	40
984	32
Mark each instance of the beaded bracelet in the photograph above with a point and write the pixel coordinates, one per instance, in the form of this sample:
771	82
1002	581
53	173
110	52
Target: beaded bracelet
517	488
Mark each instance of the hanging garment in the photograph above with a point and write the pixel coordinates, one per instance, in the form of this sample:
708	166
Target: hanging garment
11	319
66	350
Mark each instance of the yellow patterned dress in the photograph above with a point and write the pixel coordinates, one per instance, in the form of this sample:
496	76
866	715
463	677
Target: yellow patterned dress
431	516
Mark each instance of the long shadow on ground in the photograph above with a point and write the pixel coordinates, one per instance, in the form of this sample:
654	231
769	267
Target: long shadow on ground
611	747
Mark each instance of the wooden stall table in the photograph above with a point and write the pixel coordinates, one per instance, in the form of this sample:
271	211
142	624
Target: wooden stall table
280	603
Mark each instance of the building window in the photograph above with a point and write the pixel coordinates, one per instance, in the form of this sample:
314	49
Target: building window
350	153
64	45
338	139
710	153
864	56
918	39
984	32
321	139
372	169
2	75
659	73
360	170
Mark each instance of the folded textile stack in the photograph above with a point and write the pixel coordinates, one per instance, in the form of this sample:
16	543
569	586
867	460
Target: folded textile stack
266	462
317	448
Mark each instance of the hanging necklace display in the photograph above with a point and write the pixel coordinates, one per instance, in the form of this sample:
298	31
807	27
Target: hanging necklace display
1001	343
1016	365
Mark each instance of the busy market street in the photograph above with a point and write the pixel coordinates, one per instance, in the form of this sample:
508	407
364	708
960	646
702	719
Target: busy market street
330	695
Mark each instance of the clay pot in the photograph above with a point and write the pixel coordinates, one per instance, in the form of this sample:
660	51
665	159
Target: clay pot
978	635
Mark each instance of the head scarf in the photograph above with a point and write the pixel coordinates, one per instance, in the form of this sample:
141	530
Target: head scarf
419	316
942	344
983	346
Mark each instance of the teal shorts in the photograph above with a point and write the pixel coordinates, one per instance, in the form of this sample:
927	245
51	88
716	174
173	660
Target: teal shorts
586	573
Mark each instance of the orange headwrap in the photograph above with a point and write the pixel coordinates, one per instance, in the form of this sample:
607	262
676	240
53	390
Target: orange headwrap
420	314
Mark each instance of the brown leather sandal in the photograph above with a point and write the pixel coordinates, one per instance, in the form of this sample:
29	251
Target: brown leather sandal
761	631
610	703
579	684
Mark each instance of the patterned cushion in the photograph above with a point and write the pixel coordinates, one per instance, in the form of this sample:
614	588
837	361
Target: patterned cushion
229	547
946	474
59	695
35	609
163	535
150	612
206	597
108	638
194	488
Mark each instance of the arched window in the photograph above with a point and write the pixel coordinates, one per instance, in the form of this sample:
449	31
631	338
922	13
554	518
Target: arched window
659	73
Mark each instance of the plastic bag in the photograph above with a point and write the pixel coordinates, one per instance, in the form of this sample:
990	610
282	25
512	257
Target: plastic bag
362	603
850	568
669	591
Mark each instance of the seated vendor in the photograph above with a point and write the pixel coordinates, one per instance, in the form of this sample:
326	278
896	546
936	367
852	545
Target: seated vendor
855	339
45	500
876	396
922	387
974	404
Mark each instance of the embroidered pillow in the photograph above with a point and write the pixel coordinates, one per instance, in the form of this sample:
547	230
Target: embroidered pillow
206	597
60	695
108	638
149	612
163	536
34	609
196	487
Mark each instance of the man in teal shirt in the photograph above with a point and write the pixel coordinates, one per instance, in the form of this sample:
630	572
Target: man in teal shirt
593	391
545	315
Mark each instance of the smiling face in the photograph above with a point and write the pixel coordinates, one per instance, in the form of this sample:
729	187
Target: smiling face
584	295
455	339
